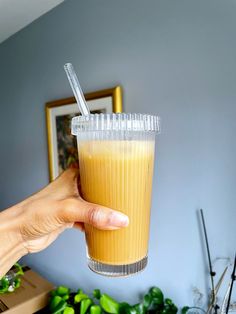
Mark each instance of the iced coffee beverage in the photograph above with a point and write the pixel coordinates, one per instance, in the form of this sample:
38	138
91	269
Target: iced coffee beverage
116	157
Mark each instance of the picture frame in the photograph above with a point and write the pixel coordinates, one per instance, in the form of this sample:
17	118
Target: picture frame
62	146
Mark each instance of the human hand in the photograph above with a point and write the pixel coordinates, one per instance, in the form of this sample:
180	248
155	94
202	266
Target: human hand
43	216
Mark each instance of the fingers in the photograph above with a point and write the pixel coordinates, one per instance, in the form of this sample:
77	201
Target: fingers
77	210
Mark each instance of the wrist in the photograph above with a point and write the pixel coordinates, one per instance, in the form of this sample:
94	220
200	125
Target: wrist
11	244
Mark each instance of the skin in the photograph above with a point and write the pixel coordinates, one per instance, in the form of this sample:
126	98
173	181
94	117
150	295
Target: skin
33	224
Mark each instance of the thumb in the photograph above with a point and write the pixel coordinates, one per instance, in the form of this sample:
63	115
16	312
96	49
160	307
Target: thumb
77	210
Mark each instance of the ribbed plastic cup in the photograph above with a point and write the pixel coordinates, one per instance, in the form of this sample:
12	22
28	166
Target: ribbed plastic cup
116	159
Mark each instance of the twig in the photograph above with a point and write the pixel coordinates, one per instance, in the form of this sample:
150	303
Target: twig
233	278
212	273
217	287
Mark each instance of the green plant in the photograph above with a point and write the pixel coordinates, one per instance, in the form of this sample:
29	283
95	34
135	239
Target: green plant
63	301
11	281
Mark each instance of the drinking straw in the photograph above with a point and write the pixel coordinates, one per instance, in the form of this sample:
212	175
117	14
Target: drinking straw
74	83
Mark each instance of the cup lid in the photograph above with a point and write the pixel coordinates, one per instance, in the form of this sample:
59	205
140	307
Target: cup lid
115	122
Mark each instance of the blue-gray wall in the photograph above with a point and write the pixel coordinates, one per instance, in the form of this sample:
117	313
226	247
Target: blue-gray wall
173	58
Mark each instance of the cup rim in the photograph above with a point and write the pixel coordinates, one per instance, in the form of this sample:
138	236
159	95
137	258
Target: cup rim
116	122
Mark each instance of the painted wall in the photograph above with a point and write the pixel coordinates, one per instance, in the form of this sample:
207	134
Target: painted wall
173	58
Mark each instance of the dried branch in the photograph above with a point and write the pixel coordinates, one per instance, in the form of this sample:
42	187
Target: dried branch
233	278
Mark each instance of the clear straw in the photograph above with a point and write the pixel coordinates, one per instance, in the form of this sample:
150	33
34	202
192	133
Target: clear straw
74	83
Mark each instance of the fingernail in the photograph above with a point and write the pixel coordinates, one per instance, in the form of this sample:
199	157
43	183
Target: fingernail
117	219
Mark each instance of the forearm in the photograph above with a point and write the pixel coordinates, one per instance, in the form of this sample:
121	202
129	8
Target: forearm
11	244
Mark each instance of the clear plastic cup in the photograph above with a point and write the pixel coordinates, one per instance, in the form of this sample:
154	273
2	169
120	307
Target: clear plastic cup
116	158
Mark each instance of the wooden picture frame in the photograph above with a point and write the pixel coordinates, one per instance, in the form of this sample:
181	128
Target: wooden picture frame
62	147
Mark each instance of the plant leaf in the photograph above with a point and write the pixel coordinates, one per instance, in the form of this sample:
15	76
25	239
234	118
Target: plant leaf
69	310
147	299
79	297
62	290
108	304
185	309
85	304
97	294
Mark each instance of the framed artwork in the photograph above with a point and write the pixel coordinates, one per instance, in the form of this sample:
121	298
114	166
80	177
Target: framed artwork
62	146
